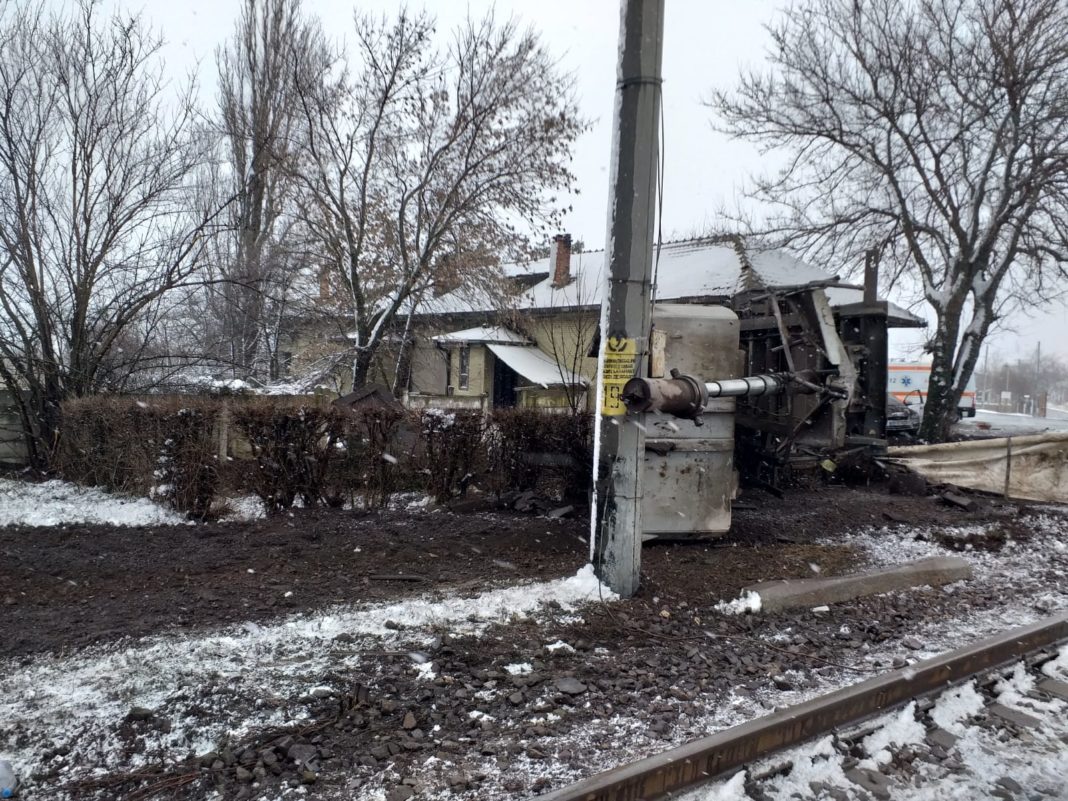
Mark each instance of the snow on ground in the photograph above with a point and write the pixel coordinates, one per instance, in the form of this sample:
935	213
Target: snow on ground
1016	573
246	508
232	680
1037	759
1031	578
56	503
1011	423
243	509
746	602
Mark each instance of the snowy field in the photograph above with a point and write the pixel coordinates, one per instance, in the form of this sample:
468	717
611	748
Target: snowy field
64	713
60	503
223	684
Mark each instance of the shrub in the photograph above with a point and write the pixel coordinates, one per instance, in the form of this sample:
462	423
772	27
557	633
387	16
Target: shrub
294	444
453	448
532	450
370	461
163	447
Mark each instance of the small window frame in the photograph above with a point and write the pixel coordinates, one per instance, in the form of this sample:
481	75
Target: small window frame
464	367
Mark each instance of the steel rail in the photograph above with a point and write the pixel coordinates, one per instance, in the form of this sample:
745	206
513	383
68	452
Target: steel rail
702	760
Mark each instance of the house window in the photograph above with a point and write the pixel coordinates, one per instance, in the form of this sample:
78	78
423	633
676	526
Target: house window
465	366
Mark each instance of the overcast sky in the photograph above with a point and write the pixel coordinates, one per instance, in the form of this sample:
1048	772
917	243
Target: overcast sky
705	44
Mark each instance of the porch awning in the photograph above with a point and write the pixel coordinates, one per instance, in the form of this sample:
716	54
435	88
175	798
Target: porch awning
482	335
535	365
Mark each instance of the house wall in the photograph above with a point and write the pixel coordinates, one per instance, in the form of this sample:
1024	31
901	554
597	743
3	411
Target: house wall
428	366
566	337
480	382
312	346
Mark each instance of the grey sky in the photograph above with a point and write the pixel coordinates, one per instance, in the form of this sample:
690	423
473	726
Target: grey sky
706	41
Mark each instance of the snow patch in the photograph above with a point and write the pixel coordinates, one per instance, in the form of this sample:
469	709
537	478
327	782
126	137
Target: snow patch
901	729
244	509
747	602
1058	668
57	503
731	790
955	706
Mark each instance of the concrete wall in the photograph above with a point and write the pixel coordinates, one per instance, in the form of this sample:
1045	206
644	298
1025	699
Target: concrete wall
12	445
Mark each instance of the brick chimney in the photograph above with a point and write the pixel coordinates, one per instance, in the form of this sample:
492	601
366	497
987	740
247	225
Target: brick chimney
561	260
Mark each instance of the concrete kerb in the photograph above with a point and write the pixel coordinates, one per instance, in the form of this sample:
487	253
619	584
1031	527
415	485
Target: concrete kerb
792	593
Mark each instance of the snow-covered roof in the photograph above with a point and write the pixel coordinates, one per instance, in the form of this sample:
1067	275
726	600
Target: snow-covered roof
684	271
483	334
536	365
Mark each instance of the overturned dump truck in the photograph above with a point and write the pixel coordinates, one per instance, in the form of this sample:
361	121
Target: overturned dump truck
778	383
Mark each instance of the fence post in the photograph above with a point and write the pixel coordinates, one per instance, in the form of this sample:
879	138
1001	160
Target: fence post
224	431
1008	465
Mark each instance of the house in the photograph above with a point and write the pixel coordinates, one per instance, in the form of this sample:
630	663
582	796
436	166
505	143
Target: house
537	348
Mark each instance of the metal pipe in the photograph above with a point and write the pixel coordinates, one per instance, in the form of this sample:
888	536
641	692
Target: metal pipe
751	387
686	396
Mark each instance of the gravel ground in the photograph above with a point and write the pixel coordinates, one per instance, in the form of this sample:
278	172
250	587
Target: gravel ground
336	655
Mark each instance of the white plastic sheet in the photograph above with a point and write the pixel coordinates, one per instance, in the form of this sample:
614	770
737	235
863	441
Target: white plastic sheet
1030	468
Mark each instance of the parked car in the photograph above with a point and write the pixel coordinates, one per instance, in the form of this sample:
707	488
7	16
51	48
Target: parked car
901	418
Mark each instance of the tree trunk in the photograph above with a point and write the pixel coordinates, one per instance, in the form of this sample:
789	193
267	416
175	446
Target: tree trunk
940	407
40	413
361	367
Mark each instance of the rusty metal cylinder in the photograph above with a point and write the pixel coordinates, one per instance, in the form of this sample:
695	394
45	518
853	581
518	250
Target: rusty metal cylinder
683	395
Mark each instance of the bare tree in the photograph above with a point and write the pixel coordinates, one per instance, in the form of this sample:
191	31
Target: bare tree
96	228
422	164
256	259
935	132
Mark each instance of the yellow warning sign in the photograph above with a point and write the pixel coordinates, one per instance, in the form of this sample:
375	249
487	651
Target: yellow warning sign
619	355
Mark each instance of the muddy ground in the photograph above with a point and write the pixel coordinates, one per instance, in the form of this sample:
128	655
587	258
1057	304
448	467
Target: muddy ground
68	587
475	730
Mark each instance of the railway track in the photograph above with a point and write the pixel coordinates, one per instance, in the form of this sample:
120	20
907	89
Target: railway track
670	774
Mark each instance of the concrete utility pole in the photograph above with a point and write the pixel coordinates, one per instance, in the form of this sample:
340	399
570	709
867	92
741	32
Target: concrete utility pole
624	340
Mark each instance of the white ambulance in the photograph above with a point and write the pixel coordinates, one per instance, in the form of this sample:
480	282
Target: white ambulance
908	381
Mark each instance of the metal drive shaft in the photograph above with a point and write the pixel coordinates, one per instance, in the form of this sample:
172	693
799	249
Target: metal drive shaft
754	385
687	396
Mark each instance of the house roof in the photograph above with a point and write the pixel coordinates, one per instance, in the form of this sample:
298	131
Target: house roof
483	334
700	269
536	366
685	270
